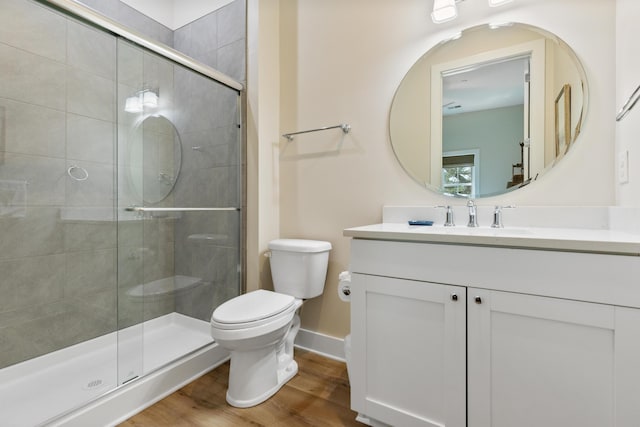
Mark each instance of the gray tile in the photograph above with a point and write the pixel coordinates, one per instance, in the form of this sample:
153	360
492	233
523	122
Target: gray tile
19	315
216	147
130	311
231	60
157	308
204	34
209	57
31	129
90	95
231	22
157	251
96	190
205	105
34	28
182	40
31	78
39	232
208	187
108	8
90	272
17	346
31	281
130	186
91	50
130	65
90	139
198	302
44	177
130	17
130	267
88	235
98	311
72	326
159	76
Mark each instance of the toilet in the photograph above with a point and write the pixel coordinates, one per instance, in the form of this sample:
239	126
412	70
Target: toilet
259	327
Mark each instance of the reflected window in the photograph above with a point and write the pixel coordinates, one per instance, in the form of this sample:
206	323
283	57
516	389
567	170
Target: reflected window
459	173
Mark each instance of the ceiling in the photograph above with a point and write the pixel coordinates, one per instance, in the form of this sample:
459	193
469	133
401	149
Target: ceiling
485	86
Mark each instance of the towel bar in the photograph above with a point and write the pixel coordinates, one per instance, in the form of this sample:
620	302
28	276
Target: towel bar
345	128
628	106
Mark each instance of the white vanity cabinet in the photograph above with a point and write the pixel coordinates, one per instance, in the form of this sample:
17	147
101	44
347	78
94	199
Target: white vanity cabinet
408	339
539	361
480	336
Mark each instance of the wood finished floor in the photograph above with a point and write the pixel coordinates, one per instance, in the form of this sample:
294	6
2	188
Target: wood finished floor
317	396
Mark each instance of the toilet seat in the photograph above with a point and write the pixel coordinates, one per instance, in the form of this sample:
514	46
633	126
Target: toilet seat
253	309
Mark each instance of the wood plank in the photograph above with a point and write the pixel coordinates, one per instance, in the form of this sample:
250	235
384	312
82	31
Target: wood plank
317	396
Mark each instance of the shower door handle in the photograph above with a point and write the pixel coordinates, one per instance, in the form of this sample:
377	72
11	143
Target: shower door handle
143	209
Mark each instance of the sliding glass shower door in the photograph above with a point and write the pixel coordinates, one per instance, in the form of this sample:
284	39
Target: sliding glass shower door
179	189
120	182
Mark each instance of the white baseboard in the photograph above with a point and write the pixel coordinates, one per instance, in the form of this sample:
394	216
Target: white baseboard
325	345
128	400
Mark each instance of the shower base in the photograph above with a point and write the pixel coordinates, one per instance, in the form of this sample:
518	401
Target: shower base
42	388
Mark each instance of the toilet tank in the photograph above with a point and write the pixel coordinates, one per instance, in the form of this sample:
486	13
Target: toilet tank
299	267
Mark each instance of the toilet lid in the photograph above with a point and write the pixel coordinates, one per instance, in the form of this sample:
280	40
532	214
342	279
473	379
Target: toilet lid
252	306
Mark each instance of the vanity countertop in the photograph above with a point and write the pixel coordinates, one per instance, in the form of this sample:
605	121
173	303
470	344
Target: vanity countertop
558	239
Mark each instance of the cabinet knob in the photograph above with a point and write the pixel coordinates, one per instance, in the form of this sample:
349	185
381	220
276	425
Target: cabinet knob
454	297
478	300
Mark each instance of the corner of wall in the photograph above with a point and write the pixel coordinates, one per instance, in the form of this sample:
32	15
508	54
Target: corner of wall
263	127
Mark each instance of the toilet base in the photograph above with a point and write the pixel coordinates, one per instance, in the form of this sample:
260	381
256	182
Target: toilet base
254	395
256	375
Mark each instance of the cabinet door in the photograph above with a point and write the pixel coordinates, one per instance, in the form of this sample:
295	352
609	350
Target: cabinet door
408	351
537	361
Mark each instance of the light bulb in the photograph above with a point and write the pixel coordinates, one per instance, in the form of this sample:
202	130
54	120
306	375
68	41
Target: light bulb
443	11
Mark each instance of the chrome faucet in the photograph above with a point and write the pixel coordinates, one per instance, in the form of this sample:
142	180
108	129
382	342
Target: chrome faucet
473	217
448	222
497	216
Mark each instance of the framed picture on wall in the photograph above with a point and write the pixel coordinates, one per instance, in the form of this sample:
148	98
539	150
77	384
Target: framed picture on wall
563	120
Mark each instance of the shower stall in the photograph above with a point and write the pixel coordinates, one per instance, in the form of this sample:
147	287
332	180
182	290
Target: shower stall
120	207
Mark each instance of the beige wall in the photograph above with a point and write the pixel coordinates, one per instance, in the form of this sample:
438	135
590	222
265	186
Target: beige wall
628	71
341	61
263	127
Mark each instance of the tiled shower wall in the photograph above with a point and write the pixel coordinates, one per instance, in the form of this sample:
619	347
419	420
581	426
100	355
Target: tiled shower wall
217	39
59	270
57	110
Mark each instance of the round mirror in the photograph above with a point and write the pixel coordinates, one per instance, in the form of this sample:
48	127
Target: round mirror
155	158
488	111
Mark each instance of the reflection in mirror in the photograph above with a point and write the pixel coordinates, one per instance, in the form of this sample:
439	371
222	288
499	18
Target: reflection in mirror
155	158
475	116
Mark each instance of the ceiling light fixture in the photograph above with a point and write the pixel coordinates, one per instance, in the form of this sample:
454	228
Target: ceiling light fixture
496	3
447	10
443	11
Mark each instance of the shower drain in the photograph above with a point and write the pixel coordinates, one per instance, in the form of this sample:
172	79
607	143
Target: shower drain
93	384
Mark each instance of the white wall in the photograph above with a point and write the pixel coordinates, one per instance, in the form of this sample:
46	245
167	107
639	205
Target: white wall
341	61
175	13
627	80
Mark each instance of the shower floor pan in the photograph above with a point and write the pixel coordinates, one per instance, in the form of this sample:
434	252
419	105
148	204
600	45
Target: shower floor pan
39	389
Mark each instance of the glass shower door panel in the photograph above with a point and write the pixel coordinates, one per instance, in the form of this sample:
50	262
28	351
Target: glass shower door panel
208	242
178	156
57	213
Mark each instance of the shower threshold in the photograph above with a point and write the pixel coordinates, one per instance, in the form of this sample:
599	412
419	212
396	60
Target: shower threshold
39	389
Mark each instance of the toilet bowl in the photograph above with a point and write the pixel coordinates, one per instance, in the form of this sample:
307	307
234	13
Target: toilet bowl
259	327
